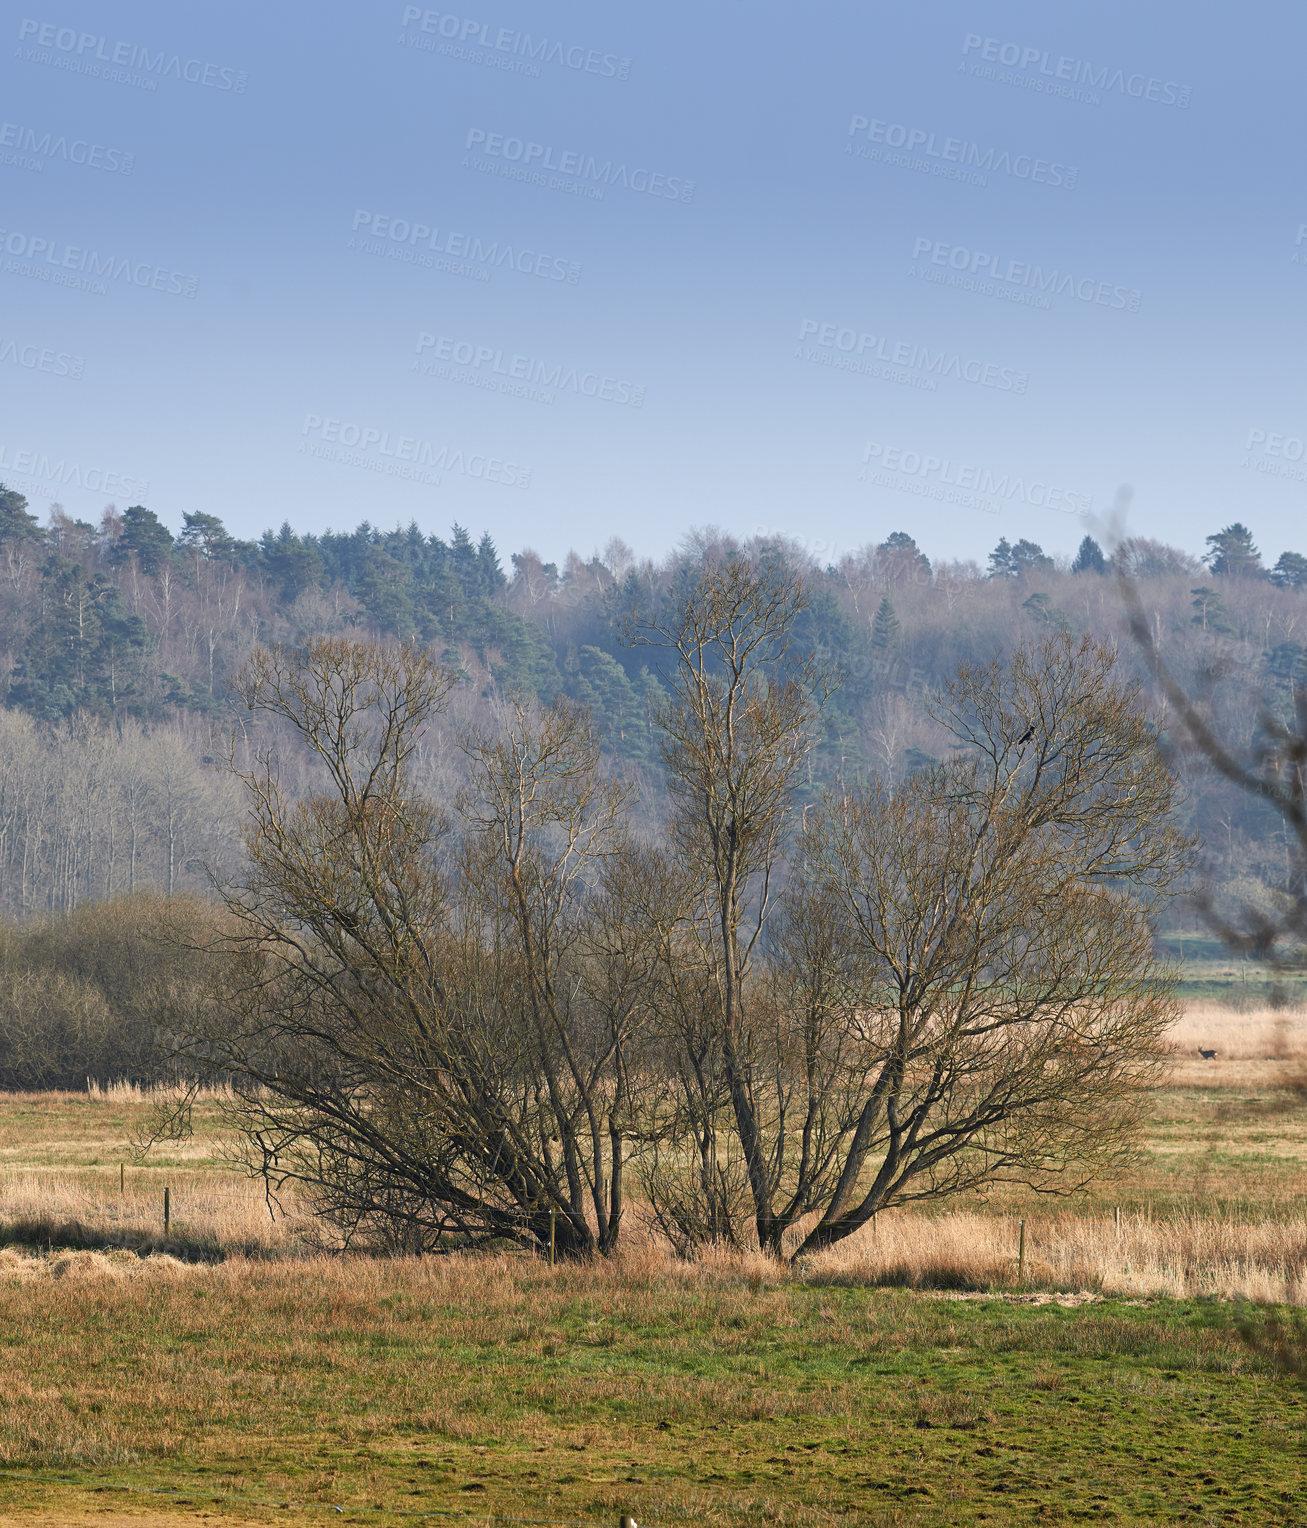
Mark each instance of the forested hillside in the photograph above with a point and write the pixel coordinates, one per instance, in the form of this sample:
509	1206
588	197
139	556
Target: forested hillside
118	642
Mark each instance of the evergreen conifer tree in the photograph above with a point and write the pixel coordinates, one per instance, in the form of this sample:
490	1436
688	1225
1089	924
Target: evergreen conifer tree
1089	559
885	628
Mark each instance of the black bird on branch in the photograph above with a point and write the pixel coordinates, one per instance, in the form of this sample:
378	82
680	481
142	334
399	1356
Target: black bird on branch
1026	736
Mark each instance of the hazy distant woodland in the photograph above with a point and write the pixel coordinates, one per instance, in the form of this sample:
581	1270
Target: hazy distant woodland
118	642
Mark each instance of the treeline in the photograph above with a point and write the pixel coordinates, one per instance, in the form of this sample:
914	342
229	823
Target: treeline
121	619
89	812
90	996
120	641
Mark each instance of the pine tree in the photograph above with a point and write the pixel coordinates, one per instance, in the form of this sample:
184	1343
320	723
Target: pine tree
1002	561
1041	609
905	555
1030	557
1089	559
492	575
145	537
885	628
1209	612
1232	553
16	524
1290	572
385	590
206	534
614	705
294	561
464	556
1288	661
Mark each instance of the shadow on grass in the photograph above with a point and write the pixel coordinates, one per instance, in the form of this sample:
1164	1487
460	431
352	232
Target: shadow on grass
961	1275
55	1234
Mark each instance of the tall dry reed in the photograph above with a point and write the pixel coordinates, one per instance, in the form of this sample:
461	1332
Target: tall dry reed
1257	1034
212	1215
1189	1256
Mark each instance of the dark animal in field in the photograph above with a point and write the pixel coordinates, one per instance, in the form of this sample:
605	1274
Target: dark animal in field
1206	1055
627	1522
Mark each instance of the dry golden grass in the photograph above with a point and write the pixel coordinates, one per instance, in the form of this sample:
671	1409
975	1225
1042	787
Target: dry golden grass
1241	1034
1194	1256
1077	1255
213	1213
71	1175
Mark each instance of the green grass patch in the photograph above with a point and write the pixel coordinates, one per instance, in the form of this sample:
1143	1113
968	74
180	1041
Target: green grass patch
696	1398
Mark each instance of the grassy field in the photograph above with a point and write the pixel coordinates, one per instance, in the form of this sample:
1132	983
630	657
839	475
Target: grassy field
1213	975
233	1375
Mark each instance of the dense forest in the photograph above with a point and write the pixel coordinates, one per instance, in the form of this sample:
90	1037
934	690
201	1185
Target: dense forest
118	643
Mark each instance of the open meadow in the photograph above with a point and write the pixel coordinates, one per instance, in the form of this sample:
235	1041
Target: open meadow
233	1370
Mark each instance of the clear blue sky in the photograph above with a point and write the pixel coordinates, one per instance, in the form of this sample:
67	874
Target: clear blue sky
1082	275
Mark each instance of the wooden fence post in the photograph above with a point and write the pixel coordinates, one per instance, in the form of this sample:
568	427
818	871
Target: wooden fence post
553	1215
167	1210
1021	1253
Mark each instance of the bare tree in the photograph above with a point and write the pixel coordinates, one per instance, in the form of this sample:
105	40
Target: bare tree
692	1170
408	1020
958	984
736	733
1000	912
90	811
543	819
890	724
333	993
469	1024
